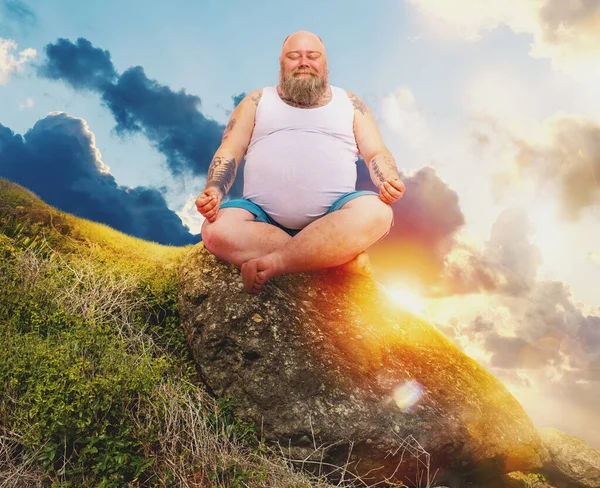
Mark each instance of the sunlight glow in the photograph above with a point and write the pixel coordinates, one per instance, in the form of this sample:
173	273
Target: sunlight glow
407	299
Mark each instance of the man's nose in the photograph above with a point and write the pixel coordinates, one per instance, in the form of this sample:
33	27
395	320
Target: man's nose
304	60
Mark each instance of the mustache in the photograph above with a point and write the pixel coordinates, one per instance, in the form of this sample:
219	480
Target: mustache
300	71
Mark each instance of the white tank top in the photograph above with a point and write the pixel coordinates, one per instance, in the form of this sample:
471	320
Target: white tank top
299	161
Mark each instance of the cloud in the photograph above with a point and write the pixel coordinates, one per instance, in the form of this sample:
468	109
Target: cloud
28	103
427	243
15	12
402	115
541	344
80	65
556	347
566	32
506	264
237	99
172	121
569	158
8	63
190	216
424	241
563	154
510	250
58	159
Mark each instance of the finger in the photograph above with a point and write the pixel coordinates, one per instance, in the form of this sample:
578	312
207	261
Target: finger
386	193
384	199
205	198
395	185
393	192
208	205
213	212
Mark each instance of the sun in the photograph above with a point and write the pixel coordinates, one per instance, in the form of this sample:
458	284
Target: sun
401	296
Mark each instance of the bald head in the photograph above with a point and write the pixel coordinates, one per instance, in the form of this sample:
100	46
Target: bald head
303	74
303	40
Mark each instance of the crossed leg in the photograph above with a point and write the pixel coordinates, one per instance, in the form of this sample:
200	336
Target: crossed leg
236	237
331	240
264	251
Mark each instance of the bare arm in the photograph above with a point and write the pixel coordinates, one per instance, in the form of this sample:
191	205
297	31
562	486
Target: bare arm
378	158
229	155
236	138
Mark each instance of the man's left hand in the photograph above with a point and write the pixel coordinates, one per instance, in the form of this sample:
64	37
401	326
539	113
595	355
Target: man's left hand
391	190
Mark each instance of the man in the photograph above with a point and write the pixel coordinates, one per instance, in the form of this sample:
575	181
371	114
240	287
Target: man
300	210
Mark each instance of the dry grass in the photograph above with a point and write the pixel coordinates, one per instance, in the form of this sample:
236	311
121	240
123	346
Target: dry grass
97	272
201	454
15	469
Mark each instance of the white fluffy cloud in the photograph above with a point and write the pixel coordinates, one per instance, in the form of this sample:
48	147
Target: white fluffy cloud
10	64
566	32
402	115
190	216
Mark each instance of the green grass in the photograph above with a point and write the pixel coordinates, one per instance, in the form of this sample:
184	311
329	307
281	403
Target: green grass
96	384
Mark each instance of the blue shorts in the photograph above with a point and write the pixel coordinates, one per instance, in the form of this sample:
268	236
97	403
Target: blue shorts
262	216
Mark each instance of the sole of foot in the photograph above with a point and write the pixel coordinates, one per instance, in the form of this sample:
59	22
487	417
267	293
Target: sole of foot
361	265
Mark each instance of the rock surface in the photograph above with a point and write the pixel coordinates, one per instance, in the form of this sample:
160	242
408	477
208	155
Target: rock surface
573	462
331	370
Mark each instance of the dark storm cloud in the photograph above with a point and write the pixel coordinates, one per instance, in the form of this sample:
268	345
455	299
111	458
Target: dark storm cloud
58	160
80	65
172	121
429	211
237	99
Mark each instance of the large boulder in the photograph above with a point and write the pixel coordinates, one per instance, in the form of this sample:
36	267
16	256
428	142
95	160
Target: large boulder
334	373
573	462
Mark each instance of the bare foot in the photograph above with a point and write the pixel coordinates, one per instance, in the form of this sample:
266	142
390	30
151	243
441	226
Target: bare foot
257	272
359	265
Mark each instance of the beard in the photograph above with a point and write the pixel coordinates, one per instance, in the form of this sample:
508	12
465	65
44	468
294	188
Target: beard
302	89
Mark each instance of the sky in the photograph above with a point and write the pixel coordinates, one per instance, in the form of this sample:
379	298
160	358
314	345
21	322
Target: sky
112	111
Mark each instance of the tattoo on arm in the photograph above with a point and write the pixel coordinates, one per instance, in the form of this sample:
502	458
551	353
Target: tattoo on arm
256	97
228	129
221	173
358	103
383	167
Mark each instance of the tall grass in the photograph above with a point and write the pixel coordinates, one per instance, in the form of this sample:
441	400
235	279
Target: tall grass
97	390
97	387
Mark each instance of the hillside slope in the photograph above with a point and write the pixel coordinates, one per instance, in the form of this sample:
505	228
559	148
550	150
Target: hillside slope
96	384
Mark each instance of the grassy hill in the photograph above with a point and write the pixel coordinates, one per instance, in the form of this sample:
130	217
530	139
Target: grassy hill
96	385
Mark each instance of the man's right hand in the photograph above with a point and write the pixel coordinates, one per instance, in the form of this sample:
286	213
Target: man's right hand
208	203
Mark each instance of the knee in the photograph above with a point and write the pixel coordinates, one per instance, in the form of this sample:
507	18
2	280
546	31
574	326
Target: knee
383	216
212	237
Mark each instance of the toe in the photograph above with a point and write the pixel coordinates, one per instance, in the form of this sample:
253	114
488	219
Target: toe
249	275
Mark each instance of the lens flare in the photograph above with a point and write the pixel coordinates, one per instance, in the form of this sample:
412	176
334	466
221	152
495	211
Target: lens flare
407	394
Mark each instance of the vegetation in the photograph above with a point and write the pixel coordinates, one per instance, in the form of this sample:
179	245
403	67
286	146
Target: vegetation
96	385
97	388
